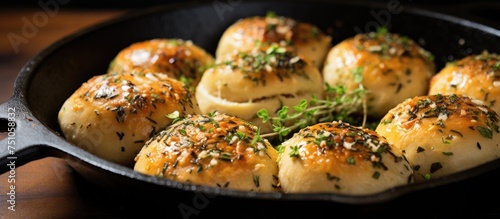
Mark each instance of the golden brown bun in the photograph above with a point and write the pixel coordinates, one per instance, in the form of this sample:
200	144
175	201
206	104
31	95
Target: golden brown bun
113	115
246	82
443	134
175	57
214	150
340	158
390	67
250	32
476	76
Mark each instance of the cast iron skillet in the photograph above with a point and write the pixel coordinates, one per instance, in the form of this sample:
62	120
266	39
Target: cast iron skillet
53	75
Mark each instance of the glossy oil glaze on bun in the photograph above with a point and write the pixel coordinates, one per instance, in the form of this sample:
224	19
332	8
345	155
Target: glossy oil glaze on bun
389	66
264	78
443	134
214	150
250	32
113	115
339	158
179	59
476	76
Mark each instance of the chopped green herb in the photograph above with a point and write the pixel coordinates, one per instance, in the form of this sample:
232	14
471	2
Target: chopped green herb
351	161
256	181
428	176
358	74
294	152
271	14
485	132
447	153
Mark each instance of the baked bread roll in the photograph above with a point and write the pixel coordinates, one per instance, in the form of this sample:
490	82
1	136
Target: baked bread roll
213	150
247	33
245	82
390	67
113	115
336	157
476	76
443	134
179	59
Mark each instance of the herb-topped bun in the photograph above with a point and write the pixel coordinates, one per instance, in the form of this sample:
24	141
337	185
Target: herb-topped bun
214	150
390	67
250	32
476	76
340	158
179	59
113	115
264	78
443	134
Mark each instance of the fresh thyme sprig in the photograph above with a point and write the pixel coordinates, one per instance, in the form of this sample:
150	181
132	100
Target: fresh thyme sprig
339	104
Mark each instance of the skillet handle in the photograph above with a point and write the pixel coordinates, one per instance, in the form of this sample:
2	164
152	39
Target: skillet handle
18	146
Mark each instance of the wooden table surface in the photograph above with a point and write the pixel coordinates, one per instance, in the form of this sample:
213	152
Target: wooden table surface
49	187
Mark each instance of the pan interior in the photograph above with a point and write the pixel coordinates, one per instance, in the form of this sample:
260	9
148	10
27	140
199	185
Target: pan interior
54	74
